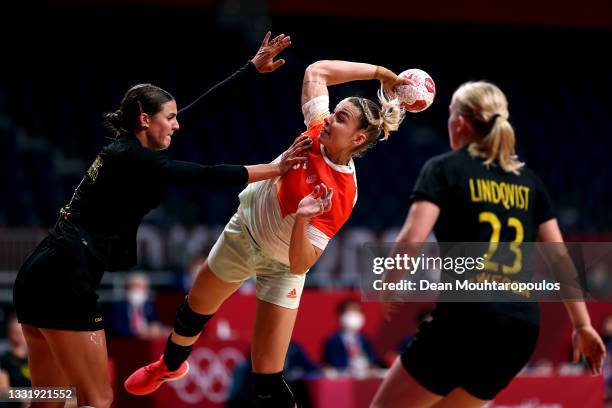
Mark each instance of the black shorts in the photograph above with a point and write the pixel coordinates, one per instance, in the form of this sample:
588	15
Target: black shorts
481	355
55	288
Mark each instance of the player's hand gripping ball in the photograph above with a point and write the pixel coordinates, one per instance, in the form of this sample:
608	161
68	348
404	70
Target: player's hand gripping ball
418	96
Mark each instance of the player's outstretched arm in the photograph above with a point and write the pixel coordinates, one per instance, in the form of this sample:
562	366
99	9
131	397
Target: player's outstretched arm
295	154
175	173
264	59
321	74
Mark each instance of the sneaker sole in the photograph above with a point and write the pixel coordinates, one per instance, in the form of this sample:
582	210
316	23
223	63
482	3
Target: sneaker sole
159	384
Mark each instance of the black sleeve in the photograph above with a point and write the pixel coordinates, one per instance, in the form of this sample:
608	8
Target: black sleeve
175	173
186	174
216	96
544	209
430	184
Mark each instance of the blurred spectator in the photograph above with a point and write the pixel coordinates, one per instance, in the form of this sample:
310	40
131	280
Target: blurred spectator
598	278
298	366
349	350
14	370
135	316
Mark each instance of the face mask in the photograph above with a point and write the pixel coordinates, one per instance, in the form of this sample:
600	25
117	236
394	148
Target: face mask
137	297
352	321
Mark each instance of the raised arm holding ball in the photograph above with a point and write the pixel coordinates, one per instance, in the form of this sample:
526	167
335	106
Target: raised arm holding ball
281	228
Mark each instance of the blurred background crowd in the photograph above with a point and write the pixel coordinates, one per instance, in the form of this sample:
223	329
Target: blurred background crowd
66	62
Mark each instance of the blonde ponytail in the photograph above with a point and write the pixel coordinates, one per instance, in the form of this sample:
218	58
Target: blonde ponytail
391	114
498	146
375	119
486	107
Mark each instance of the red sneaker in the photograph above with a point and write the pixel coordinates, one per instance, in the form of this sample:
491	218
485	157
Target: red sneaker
147	379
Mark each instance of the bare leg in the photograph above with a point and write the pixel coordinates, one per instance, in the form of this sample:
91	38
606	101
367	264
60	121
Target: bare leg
273	329
44	369
81	358
206	295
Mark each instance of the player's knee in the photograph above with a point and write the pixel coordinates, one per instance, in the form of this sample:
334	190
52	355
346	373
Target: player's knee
188	323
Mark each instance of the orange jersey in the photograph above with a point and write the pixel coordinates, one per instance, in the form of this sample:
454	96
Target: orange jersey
300	180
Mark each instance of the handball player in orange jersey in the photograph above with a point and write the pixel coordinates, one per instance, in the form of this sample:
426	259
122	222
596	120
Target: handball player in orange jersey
281	229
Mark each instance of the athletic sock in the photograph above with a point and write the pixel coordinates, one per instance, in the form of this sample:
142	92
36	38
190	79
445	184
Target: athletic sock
271	391
175	355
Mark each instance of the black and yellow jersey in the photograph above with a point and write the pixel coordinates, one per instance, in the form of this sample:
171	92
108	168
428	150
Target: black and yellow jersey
127	180
485	204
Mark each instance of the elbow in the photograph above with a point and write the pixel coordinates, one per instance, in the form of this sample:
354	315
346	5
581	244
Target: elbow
411	237
316	70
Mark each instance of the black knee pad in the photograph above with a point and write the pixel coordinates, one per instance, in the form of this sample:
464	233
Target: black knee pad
272	391
189	323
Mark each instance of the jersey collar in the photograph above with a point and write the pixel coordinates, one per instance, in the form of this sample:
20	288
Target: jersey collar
349	168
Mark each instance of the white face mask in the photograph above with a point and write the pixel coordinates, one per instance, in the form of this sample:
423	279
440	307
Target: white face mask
137	297
352	321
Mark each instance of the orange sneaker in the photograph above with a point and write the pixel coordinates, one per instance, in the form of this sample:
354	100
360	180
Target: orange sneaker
147	379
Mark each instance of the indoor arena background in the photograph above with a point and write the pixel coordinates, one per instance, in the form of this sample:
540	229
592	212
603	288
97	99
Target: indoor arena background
66	62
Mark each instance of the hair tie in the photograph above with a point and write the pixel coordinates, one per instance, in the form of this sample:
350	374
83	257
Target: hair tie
494	118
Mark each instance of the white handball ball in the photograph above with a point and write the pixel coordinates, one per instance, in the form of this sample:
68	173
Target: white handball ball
420	95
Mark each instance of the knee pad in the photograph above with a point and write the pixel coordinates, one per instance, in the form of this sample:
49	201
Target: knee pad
188	323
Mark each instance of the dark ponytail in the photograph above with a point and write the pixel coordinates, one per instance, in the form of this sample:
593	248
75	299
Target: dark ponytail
114	122
141	98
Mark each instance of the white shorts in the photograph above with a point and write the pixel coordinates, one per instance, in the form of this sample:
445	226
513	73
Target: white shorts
236	257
